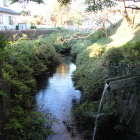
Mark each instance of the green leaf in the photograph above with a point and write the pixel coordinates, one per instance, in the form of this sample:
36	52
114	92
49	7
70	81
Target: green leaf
4	94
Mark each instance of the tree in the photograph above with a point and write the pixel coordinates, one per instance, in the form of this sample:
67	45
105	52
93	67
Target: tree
39	19
27	1
102	20
26	13
100	5
59	14
126	16
64	15
64	2
97	5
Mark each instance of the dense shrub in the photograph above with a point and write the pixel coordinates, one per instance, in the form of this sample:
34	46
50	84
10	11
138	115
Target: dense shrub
84	114
79	45
32	33
124	60
26	125
114	58
35	33
24	61
97	35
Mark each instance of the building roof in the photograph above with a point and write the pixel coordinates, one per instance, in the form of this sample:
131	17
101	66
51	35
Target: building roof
8	11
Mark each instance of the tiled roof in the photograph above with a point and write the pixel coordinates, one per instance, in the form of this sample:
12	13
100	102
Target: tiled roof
8	11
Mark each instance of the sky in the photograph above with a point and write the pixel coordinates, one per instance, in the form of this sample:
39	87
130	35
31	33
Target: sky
40	8
33	7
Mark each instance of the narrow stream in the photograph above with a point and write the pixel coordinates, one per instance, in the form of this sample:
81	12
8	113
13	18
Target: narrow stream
57	97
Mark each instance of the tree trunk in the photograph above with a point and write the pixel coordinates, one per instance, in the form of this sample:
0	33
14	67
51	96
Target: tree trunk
104	29
125	15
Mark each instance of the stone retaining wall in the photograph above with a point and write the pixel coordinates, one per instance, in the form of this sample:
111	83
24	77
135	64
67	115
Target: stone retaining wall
124	91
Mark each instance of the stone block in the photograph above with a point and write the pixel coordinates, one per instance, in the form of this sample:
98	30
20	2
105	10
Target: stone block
133	103
123	83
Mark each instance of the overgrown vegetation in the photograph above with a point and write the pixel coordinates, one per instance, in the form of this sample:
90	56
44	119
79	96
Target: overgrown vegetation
32	33
97	62
3	43
97	58
24	61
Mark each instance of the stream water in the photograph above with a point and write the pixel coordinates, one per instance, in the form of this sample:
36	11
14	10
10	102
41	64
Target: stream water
56	97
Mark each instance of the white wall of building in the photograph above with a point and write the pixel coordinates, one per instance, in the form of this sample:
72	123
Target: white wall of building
6	22
5	17
1	3
4	3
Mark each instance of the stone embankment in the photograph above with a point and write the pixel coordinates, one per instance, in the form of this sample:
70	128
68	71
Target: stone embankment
124	91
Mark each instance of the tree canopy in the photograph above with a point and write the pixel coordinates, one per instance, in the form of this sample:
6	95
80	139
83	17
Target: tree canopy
96	5
40	1
93	5
22	1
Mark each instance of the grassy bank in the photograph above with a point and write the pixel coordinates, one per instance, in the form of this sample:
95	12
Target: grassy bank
99	58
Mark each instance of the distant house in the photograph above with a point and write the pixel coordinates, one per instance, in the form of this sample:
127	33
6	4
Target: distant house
7	16
88	23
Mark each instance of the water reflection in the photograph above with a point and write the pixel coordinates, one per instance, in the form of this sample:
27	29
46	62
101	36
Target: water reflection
62	69
57	98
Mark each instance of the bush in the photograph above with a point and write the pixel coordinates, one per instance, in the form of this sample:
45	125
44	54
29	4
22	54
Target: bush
97	35
25	61
124	60
114	58
34	33
29	126
33	27
80	45
84	117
